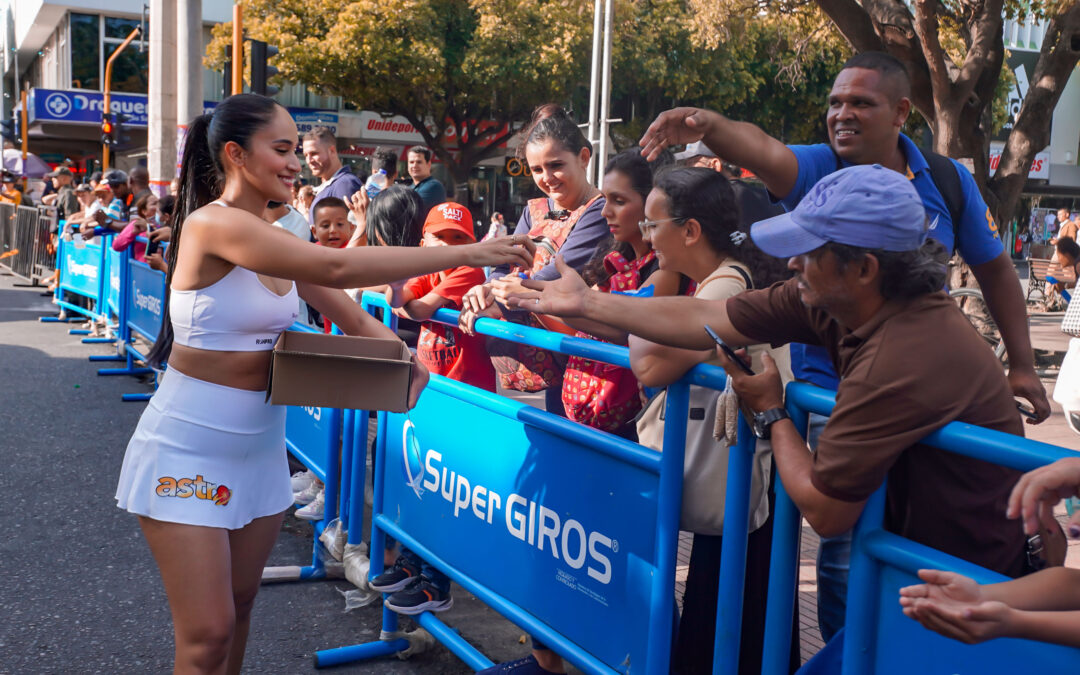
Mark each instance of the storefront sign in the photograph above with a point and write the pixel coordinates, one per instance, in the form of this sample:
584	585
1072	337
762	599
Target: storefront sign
84	107
1040	166
516	167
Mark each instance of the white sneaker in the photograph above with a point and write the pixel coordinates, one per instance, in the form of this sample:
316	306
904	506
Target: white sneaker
301	480
308	494
314	510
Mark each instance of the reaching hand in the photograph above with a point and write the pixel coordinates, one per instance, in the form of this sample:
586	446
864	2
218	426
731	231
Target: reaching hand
675	127
942	586
358	204
1042	488
517	249
155	261
970	623
467	318
1025	384
504	287
563	297
161	234
477	298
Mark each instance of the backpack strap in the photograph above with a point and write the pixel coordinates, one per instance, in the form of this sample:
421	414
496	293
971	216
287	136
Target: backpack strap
947	181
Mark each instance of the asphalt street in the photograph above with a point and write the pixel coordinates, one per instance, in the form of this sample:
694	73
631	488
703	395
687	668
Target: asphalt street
82	593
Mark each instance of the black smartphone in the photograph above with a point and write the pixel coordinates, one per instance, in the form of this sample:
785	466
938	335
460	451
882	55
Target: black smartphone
152	246
729	351
1026	411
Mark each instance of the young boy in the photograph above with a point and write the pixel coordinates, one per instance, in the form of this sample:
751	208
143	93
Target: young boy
331	228
414	585
445	350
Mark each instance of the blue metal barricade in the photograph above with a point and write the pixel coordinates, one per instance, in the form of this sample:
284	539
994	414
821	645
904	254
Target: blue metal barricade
878	637
587	521
143	302
82	268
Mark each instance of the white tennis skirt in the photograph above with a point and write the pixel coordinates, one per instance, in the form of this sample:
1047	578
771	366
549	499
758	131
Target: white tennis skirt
206	454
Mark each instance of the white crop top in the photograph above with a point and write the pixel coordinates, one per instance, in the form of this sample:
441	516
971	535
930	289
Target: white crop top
235	314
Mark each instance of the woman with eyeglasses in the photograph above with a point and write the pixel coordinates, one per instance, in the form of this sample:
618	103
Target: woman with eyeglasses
692	224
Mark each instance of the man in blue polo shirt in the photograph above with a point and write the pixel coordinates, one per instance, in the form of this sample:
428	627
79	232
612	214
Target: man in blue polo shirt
321	155
868	105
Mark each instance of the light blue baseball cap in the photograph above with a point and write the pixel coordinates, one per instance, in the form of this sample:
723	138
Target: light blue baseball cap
867	206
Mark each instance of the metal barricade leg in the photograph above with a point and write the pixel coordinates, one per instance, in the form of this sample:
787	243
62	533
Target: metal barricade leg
783	572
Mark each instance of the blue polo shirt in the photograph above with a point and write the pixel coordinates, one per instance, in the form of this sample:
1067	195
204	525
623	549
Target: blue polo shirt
978	233
343	184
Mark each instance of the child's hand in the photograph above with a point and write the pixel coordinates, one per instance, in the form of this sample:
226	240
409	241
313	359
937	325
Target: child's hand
943	586
467	318
477	299
970	624
1040	489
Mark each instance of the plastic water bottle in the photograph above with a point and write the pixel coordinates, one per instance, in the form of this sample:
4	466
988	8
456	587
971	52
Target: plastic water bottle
376	183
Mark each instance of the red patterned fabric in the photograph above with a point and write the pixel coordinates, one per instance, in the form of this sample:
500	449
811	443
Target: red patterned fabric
601	395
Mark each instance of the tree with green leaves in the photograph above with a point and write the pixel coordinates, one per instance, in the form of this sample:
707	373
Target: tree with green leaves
469	68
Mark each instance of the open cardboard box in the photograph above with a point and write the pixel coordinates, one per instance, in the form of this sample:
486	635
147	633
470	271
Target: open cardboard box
340	371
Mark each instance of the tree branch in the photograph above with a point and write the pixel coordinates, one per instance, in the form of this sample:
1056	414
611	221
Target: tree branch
985	35
926	26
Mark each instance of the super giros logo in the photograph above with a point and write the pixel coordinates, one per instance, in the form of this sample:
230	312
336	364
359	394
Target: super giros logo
196	487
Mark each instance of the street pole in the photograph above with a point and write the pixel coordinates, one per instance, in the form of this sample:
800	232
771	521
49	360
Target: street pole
238	50
161	125
189	50
605	94
107	90
25	140
594	93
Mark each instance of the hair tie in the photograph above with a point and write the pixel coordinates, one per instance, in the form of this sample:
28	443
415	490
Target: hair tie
738	237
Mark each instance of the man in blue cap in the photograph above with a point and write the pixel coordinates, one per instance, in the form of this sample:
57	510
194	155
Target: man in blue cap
909	363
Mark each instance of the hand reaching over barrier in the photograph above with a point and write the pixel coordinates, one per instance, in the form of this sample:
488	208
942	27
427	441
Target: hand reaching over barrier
565	296
1044	487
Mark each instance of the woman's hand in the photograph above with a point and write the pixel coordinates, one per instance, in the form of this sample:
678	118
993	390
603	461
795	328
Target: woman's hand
942	586
504	287
478	298
155	261
955	606
467	318
564	296
140	225
161	234
1038	491
395	295
517	250
420	377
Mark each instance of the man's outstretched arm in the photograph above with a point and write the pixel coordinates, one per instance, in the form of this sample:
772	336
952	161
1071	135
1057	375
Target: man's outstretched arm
672	321
740	142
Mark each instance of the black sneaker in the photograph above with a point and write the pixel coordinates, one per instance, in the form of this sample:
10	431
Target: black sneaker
397	577
418	597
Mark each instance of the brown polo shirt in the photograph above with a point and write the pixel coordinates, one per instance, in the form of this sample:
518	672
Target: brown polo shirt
913	368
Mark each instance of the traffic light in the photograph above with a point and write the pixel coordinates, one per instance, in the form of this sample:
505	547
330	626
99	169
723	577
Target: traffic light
9	129
108	130
261	70
119	133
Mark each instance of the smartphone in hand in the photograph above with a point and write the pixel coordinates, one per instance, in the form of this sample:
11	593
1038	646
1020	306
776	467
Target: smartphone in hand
743	365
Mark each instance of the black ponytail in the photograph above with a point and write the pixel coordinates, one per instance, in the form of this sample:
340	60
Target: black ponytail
202	178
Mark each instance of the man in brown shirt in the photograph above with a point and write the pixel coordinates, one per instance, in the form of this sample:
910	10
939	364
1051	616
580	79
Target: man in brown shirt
867	288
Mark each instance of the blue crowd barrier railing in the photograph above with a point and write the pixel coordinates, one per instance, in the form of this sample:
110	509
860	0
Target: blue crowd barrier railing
879	638
588	521
82	272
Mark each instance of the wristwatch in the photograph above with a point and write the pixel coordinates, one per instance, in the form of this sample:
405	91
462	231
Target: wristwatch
763	421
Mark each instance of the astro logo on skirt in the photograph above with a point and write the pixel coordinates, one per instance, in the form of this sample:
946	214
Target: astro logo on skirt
193	487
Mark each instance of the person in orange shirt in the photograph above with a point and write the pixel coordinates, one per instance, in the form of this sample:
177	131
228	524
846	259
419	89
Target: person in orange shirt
10	193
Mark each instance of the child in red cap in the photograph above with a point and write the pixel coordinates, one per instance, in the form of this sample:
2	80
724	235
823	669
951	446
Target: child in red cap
445	350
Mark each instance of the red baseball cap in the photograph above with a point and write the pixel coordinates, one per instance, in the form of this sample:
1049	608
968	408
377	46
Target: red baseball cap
449	216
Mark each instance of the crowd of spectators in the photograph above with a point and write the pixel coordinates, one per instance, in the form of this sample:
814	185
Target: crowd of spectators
665	248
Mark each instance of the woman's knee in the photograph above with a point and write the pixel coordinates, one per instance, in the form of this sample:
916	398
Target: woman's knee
205	644
244	601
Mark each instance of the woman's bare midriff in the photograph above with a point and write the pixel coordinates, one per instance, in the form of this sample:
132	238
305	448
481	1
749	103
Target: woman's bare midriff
240	370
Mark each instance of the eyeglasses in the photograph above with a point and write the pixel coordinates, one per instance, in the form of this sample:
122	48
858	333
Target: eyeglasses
647	226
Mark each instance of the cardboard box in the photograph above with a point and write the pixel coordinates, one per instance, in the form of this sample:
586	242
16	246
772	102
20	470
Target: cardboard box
340	371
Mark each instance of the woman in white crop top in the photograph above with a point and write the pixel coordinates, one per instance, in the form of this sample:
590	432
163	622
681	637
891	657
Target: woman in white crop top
206	470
